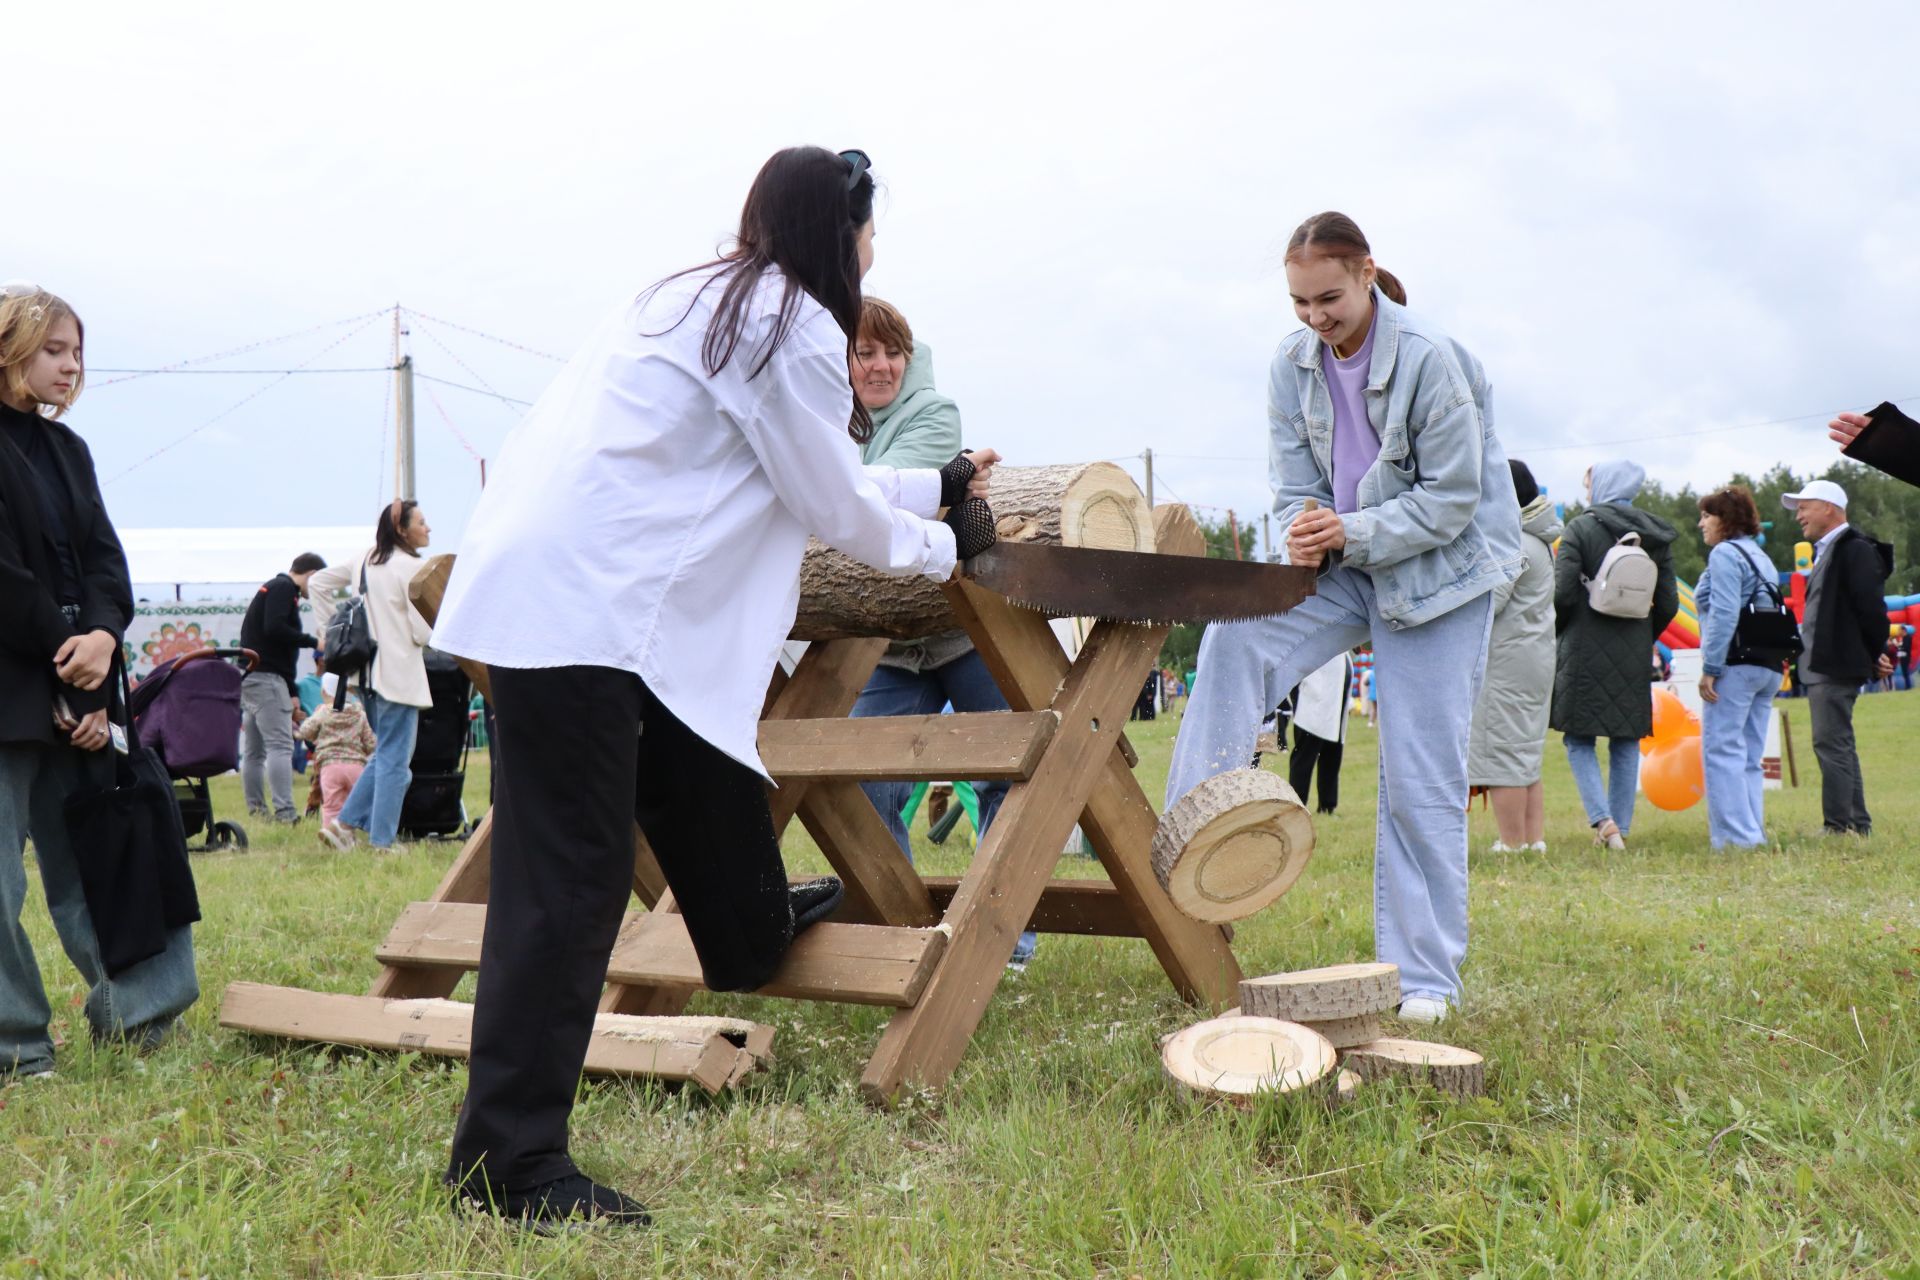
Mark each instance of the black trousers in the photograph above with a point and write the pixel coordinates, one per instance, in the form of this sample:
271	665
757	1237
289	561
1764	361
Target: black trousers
581	753
1843	791
1310	749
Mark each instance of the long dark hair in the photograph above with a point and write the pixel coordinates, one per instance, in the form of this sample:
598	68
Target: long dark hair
802	215
387	531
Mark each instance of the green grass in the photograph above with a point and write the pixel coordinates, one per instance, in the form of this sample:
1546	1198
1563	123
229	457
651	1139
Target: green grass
1699	1066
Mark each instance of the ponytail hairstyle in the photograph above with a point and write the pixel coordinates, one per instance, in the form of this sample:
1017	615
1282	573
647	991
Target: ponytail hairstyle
389	531
1335	235
28	314
802	215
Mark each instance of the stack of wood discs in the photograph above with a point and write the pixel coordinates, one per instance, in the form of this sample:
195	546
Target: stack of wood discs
1270	1043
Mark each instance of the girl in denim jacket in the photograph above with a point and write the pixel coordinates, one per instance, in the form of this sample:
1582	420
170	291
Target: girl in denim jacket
1385	424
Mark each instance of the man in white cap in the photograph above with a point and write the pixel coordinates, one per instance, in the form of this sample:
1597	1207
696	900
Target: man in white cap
1844	631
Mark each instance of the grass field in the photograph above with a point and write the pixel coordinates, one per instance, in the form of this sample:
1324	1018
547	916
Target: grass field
1699	1065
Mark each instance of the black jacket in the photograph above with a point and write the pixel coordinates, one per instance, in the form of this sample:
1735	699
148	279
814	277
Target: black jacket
1891	443
272	628
32	627
1600	679
1850	631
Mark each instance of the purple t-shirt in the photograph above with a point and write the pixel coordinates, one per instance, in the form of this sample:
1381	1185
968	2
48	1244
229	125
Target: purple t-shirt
1356	445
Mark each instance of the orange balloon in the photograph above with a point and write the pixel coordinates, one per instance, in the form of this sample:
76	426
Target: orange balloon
1674	776
1672	722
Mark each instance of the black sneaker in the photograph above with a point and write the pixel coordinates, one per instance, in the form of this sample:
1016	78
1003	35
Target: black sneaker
143	1039
575	1199
814	900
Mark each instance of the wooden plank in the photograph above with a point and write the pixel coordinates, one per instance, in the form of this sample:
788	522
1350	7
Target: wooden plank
444	1029
824	686
882	886
851	963
426	590
467	880
979	746
997	896
1090	907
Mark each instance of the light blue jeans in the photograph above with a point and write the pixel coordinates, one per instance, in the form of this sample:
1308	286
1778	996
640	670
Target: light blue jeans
969	686
1428	678
35	781
373	806
1613	798
1733	734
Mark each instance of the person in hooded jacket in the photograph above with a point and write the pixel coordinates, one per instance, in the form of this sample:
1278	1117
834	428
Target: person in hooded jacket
1510	720
1600	688
915	426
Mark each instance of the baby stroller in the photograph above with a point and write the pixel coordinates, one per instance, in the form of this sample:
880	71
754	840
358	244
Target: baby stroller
433	805
188	710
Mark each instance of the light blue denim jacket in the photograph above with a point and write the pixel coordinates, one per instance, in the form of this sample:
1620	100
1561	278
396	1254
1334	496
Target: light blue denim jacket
1438	523
1730	580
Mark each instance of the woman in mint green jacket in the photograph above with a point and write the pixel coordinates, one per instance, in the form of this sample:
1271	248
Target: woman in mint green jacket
915	426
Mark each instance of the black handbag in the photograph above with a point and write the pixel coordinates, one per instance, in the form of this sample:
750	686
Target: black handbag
131	850
1765	636
350	645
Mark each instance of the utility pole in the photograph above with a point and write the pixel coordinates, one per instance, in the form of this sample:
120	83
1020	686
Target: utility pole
403	415
1233	527
1266	533
1148	455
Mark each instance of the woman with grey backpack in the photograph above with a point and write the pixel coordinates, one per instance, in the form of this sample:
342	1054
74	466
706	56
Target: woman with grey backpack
1614	593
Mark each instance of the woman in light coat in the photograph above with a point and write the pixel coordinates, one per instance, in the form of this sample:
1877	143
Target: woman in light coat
399	681
1510	720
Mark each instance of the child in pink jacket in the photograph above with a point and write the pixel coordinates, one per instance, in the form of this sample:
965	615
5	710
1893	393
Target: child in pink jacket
342	742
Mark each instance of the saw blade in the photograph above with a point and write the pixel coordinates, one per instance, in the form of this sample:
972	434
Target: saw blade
1134	586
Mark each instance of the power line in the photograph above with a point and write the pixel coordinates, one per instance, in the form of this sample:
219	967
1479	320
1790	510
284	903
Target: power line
479	391
180	365
505	342
473	373
241	372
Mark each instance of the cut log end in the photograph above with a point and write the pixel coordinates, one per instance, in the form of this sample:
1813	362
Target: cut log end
1448	1068
1240	1056
1331	994
1232	845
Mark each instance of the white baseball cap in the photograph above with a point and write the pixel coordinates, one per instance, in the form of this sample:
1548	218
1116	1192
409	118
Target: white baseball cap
330	683
1821	490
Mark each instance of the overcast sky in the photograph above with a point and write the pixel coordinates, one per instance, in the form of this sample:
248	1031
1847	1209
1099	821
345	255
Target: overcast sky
1652	223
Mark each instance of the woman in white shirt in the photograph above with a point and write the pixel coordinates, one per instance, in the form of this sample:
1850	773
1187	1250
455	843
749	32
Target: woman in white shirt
399	681
628	577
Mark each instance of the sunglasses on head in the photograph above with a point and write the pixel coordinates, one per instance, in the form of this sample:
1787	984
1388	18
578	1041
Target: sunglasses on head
857	164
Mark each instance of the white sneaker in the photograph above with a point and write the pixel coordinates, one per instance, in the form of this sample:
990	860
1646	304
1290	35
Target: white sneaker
1501	846
334	834
1423	1009
1538	846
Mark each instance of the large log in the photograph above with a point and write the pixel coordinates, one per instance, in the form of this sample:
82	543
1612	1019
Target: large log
1232	845
1093	504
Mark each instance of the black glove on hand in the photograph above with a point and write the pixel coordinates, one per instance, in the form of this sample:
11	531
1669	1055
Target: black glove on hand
954	478
972	523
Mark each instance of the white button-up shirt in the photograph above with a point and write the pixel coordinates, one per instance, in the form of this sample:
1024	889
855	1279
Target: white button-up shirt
647	517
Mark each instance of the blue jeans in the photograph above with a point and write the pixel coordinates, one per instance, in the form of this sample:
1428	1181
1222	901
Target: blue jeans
1613	798
1733	734
35	781
1428	678
373	806
968	686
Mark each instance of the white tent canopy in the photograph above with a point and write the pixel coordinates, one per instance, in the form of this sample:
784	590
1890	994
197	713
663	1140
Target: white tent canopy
180	557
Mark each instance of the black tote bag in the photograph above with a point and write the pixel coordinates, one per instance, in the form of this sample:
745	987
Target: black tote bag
131	849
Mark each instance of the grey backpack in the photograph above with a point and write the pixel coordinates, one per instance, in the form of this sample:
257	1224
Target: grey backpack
1623	585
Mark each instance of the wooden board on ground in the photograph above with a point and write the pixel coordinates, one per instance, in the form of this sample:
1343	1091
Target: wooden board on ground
1232	845
713	1053
1460	1072
1242	1056
1323	995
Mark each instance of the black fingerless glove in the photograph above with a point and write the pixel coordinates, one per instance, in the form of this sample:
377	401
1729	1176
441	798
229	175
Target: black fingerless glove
972	523
954	478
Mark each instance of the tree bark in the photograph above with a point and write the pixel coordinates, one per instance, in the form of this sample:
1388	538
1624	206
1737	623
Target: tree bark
1093	504
1460	1072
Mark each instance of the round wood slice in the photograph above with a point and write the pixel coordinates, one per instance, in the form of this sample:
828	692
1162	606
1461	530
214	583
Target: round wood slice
1344	1033
1460	1072
1346	1086
1331	994
1232	845
1093	504
1242	1056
